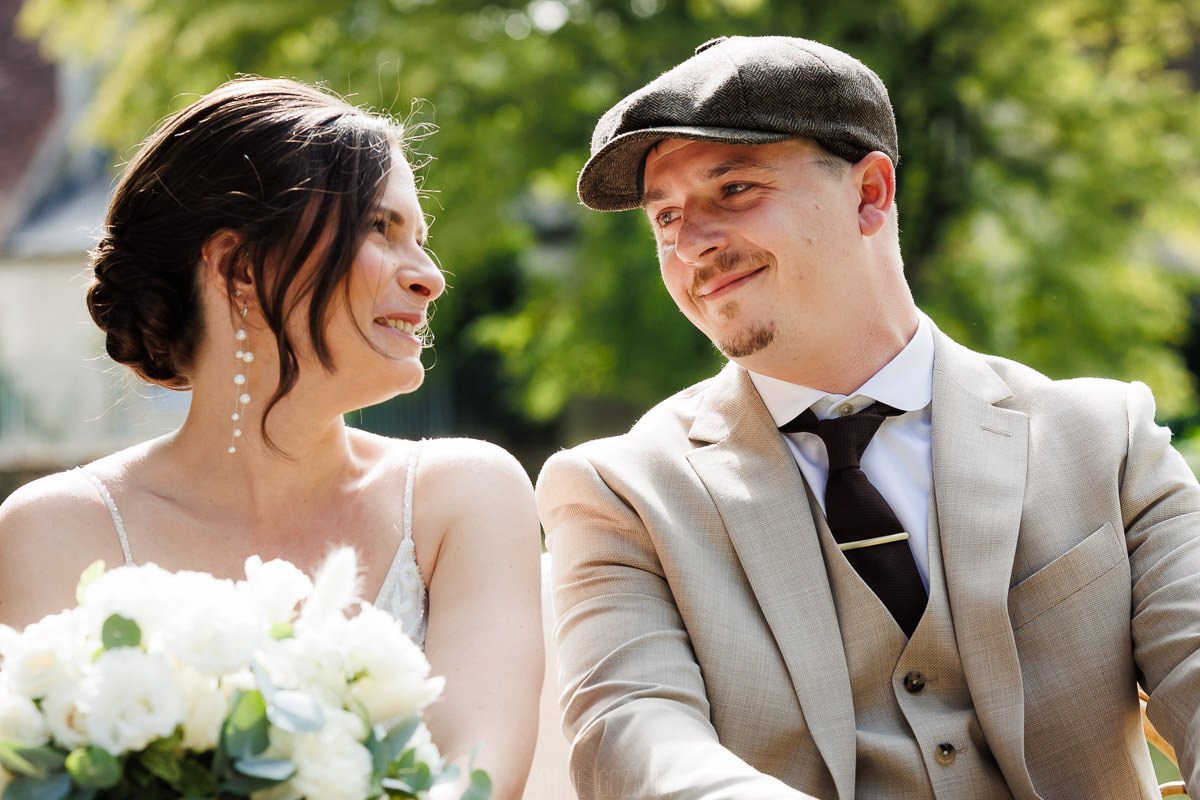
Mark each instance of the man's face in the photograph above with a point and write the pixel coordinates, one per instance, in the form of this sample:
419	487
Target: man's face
757	245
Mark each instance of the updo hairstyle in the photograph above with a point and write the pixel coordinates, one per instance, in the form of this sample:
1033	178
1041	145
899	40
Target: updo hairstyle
294	171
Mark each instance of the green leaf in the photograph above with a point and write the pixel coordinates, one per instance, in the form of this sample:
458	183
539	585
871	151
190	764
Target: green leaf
34	762
480	787
197	781
88	577
119	631
93	768
245	732
271	769
50	787
163	763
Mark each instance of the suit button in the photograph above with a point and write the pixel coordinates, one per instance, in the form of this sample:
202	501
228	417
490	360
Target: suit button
945	753
914	682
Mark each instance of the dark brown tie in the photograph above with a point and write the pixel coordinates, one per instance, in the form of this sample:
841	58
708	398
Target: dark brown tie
861	521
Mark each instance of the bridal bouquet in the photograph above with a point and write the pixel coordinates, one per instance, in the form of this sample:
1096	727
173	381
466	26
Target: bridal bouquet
170	685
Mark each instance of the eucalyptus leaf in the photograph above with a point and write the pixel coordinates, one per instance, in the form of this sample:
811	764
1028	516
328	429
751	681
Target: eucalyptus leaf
245	732
34	762
119	631
163	763
93	768
271	769
398	737
480	787
295	711
50	787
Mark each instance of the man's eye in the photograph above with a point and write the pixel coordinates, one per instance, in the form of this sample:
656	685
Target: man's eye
737	188
665	218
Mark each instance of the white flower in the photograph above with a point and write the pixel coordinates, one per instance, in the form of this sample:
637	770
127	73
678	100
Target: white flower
277	586
332	764
145	594
129	699
205	707
48	656
20	719
64	718
391	674
215	628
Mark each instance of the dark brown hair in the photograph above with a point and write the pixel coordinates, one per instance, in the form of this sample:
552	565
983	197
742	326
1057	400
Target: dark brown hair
292	170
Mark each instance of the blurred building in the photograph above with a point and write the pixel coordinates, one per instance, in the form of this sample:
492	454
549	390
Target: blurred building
62	402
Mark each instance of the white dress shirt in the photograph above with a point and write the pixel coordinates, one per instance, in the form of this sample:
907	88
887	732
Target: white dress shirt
899	459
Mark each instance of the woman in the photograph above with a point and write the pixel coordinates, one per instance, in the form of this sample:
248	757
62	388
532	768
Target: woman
266	249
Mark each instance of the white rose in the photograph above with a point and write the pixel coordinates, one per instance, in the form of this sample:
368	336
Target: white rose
64	718
48	656
332	764
391	674
205	707
277	586
215	628
130	698
20	719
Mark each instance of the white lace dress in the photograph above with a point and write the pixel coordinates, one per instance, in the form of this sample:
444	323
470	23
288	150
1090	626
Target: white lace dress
403	591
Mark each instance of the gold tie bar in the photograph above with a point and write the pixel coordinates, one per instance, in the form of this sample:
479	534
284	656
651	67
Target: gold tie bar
891	537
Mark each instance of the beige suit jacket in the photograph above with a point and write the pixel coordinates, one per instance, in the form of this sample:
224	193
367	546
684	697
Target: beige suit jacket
699	651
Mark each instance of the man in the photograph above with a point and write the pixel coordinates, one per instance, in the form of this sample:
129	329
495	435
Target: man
961	611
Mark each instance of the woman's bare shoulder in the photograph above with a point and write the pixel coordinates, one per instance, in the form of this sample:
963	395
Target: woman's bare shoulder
51	529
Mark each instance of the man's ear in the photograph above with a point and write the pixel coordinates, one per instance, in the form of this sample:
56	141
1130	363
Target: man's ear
225	262
875	176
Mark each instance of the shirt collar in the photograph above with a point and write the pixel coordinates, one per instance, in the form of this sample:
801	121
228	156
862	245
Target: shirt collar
905	382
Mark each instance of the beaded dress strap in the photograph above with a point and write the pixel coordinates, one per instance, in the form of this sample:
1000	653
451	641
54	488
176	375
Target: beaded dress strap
113	511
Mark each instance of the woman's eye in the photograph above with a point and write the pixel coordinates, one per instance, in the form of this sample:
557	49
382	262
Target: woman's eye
380	225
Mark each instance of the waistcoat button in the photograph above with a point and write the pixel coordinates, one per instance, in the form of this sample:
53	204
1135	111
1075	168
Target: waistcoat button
914	682
945	753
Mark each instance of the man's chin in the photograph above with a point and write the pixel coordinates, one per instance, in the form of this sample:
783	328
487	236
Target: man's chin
748	341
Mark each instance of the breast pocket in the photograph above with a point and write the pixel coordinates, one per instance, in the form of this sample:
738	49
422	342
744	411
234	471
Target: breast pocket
1082	565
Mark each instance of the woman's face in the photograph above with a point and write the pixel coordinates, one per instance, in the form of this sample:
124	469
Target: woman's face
375	335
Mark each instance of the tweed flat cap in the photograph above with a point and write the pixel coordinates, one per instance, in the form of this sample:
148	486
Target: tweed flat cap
740	90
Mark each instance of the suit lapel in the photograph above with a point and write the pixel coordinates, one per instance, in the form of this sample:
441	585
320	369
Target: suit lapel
980	453
758	490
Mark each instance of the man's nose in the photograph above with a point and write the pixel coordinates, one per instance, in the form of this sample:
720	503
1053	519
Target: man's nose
702	235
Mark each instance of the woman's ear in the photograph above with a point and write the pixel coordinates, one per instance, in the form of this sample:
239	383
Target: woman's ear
875	176
225	262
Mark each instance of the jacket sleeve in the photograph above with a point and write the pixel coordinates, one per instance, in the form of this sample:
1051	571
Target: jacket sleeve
632	695
1160	504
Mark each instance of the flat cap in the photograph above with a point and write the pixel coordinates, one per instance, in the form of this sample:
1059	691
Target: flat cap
741	90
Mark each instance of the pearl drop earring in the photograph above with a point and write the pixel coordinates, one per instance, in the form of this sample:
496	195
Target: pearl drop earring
241	396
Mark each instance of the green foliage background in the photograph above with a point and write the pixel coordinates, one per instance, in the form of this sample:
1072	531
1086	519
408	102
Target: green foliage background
1048	184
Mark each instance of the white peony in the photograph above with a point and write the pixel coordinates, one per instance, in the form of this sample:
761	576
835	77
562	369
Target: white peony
129	699
215	628
391	674
332	764
20	719
312	661
205	708
277	586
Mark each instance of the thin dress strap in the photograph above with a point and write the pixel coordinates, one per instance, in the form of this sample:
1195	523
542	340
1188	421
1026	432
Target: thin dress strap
113	511
403	591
